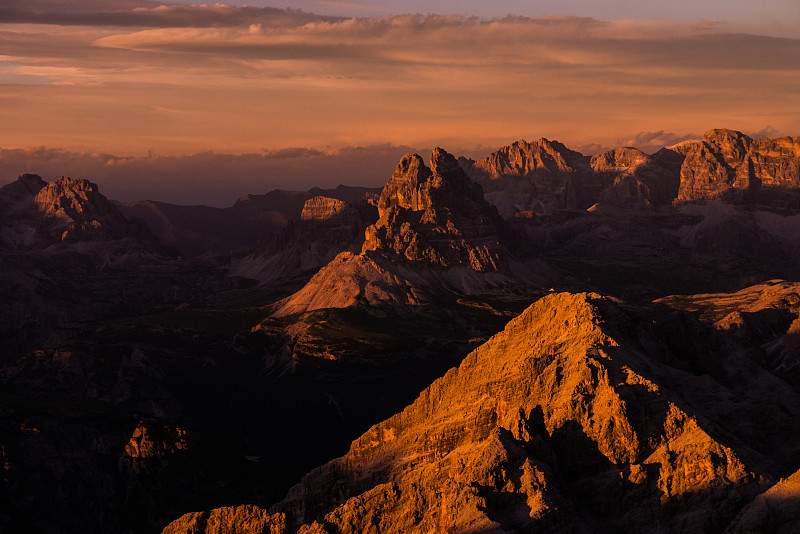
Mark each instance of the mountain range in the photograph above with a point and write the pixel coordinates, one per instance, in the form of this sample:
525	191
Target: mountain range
536	341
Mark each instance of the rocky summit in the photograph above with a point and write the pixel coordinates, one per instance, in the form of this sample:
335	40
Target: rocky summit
77	207
437	216
39	214
435	234
526	176
727	164
545	176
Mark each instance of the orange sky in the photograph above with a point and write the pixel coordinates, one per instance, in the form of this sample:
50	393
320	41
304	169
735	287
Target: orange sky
186	79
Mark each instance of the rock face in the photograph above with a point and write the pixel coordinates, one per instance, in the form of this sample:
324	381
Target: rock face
578	417
526	176
716	168
729	165
545	176
437	216
506	441
322	208
767	315
637	179
80	212
327	227
435	235
27	185
776	162
526	159
620	159
776	510
246	518
37	214
350	280
153	441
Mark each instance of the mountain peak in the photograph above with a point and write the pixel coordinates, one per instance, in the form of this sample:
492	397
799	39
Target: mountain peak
78	211
540	428
430	220
437	216
402	189
33	182
720	136
442	162
522	158
26	186
72	198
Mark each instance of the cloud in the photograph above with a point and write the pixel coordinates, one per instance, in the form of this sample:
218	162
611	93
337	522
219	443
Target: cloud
412	42
767	131
653	141
150	14
130	76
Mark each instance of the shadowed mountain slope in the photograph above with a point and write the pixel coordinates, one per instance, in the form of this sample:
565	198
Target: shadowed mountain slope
194	230
327	226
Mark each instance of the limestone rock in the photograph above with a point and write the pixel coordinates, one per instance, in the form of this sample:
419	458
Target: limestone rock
776	510
637	179
154	441
559	423
436	216
713	167
526	176
729	165
245	519
525	159
80	211
618	160
350	279
322	208
37	215
436	236
545	176
766	315
776	162
403	188
251	221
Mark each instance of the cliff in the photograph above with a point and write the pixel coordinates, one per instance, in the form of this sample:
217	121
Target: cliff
436	216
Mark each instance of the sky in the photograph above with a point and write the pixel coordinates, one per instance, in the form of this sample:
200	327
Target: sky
195	103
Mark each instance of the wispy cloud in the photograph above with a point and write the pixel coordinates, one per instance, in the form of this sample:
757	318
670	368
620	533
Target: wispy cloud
653	141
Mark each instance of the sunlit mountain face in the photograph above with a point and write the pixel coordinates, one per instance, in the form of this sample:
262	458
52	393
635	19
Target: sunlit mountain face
355	267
